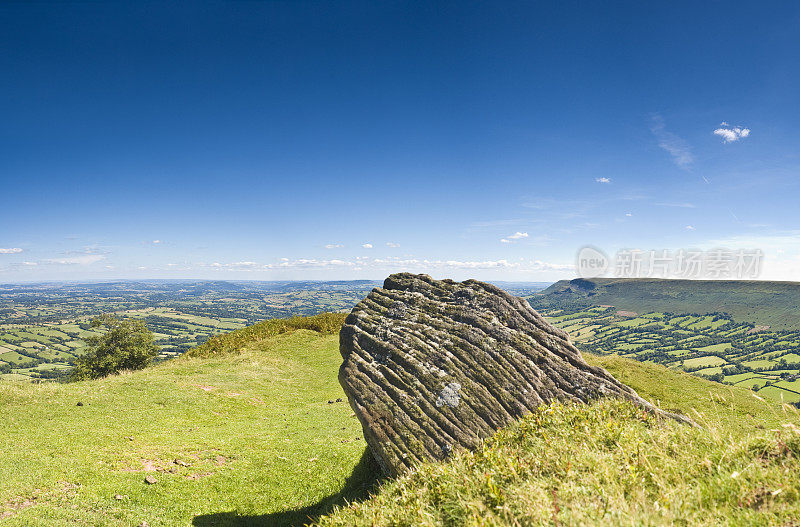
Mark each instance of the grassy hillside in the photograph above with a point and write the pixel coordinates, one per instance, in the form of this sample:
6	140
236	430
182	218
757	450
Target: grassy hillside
242	438
610	464
775	304
256	437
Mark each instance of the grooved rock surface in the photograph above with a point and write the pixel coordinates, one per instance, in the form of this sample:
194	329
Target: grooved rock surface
431	366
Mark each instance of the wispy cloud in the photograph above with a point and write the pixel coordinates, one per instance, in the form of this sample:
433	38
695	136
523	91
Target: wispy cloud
86	259
10	250
602	180
367	246
678	148
690	227
392	245
516	236
334	246
729	133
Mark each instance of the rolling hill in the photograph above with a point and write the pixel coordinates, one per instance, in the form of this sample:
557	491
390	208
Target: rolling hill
775	304
250	430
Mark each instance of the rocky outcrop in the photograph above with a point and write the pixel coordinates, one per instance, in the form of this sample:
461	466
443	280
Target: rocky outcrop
431	366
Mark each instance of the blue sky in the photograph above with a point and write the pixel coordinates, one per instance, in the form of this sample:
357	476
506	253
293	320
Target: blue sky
304	140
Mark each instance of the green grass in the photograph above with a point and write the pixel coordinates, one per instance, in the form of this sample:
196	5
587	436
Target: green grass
602	464
262	442
257	443
609	464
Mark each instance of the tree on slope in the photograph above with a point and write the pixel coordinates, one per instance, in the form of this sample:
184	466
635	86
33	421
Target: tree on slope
126	345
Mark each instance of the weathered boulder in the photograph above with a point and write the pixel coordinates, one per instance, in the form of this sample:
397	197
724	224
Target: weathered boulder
430	366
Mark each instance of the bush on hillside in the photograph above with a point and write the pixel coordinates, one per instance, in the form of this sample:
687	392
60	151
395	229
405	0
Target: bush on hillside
126	345
326	323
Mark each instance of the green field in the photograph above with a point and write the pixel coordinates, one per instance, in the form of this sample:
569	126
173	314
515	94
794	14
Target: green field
258	437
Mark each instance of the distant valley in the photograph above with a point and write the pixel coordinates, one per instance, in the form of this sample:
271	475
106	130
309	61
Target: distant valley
43	326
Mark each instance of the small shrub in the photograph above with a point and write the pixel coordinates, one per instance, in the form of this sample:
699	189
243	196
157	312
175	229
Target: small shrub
126	345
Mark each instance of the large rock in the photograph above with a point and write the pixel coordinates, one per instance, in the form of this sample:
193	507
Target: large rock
432	365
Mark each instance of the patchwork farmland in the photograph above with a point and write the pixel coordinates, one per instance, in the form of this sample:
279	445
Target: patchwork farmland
709	345
43	327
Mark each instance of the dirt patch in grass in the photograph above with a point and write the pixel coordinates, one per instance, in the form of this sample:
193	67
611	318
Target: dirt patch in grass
13	506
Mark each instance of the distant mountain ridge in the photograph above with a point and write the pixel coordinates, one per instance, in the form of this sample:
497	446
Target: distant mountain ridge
772	303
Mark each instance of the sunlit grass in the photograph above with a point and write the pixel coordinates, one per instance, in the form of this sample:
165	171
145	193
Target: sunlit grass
607	463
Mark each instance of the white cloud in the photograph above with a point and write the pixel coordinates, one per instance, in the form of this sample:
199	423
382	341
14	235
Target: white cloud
86	259
392	244
677	147
10	250
516	236
690	228
156	242
244	265
334	246
628	214
729	134
602	180
367	246
31	264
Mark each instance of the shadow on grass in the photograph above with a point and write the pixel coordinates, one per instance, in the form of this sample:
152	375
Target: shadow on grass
364	478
